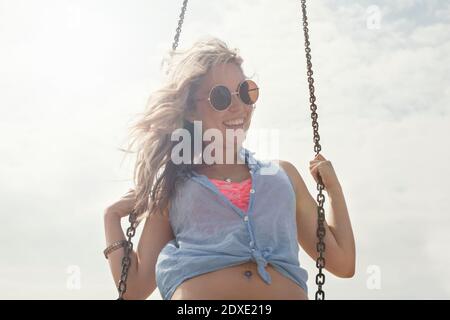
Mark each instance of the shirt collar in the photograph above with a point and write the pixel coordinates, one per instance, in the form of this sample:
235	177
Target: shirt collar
251	161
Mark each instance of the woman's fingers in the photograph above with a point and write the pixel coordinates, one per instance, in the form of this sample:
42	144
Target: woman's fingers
124	205
314	171
319	157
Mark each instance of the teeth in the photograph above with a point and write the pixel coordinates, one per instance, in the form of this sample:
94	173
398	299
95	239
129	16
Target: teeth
235	122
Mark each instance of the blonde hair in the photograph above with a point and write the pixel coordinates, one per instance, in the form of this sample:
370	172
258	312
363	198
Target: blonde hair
155	175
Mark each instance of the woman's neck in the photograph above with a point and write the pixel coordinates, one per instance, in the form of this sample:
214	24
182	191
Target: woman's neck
228	156
233	172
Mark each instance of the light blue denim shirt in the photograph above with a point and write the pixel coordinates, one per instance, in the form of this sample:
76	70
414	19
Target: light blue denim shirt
212	233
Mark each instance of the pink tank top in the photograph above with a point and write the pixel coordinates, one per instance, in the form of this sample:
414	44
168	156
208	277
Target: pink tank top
237	192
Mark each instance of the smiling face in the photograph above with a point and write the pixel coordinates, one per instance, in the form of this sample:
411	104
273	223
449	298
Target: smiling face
229	75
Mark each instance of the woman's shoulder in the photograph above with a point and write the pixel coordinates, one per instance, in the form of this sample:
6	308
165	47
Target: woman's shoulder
290	170
277	164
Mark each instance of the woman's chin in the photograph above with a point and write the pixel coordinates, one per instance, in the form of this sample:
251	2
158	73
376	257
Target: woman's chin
234	145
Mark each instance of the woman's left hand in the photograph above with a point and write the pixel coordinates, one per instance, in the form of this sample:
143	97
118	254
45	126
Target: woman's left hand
323	168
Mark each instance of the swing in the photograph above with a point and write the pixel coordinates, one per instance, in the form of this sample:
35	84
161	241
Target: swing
320	262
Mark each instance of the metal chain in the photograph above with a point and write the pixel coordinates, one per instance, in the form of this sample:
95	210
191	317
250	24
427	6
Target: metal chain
126	260
320	262
180	23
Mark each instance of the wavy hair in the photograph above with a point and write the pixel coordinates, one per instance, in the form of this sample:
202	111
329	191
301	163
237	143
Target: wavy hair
155	175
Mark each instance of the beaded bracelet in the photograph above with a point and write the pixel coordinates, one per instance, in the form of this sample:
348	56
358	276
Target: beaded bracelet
114	246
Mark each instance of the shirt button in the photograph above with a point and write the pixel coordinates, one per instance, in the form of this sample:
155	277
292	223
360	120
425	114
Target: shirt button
252	190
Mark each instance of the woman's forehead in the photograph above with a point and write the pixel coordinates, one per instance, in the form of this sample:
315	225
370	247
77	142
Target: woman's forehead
229	75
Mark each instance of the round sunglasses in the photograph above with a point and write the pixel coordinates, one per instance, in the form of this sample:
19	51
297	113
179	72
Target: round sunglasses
220	97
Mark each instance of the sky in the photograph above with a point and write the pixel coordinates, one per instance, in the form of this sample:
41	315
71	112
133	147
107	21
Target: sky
74	73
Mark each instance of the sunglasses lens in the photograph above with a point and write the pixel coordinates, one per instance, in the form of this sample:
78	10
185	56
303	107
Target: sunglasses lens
249	92
220	97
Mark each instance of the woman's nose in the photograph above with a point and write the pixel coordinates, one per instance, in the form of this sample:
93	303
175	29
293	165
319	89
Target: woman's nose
236	104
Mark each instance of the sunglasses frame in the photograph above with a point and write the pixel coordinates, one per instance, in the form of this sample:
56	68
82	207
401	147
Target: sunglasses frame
231	93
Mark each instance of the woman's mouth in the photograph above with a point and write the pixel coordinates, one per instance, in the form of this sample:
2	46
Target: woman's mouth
235	123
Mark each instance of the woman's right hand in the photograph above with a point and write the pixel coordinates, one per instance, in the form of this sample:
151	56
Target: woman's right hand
124	206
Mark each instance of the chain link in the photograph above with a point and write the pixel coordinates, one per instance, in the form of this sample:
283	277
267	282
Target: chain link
126	260
320	262
180	23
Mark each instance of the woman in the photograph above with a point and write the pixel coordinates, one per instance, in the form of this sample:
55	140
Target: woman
219	229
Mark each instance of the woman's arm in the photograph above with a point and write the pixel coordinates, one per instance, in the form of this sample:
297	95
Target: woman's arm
156	234
113	233
141	273
339	241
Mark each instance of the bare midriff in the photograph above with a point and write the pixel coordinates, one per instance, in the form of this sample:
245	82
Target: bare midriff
237	283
